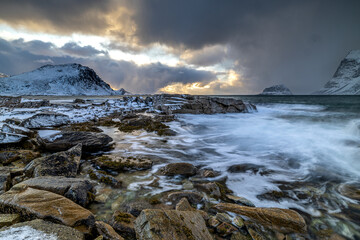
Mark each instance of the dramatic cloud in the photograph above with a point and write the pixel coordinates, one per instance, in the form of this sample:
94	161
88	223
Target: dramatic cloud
18	56
298	43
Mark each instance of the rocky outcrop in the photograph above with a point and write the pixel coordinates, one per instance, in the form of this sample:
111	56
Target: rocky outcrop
75	189
172	169
193	197
346	80
46	119
276	90
91	142
41	230
281	220
8	219
123	223
35	203
199	104
158	224
58	164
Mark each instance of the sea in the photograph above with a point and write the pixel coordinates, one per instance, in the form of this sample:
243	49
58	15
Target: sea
297	152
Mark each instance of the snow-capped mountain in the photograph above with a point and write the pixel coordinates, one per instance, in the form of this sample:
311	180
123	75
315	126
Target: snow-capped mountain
346	80
276	90
66	79
122	91
2	75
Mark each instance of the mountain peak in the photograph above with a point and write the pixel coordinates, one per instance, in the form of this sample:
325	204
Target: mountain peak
64	79
346	80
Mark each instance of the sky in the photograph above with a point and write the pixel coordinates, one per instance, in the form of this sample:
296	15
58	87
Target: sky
184	46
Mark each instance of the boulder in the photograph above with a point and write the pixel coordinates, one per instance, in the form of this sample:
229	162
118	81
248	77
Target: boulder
107	231
172	169
46	119
240	200
58	164
281	220
91	142
11	128
135	207
193	197
184	205
156	224
39	229
210	188
78	190
105	178
123	223
34	203
5	179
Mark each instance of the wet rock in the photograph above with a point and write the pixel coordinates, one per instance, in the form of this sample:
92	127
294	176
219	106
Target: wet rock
223	217
46	119
193	197
75	189
147	123
123	223
81	127
208	173
107	231
210	188
9	219
135	208
42	230
120	164
225	229
238	222
58	164
240	200
249	167
105	178
184	205
9	156
34	203
281	220
91	142
172	169
171	225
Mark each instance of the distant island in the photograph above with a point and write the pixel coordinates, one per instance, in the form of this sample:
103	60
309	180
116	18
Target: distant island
276	90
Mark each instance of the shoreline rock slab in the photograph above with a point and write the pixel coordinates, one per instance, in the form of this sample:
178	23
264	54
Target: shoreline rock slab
75	189
34	203
173	169
58	164
281	220
91	142
156	224
40	229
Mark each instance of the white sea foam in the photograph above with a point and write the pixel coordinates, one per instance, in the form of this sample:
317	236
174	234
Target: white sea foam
25	232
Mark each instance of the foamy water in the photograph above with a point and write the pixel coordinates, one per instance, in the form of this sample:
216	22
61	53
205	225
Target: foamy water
306	151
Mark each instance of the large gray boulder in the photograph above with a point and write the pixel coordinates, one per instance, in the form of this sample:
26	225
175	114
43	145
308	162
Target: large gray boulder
46	119
39	229
58	164
156	224
75	189
91	142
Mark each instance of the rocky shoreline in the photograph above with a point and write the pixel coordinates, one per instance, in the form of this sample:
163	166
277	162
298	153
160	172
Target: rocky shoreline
56	173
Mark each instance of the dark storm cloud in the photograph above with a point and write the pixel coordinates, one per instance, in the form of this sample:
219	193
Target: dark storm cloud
66	16
18	56
298	43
